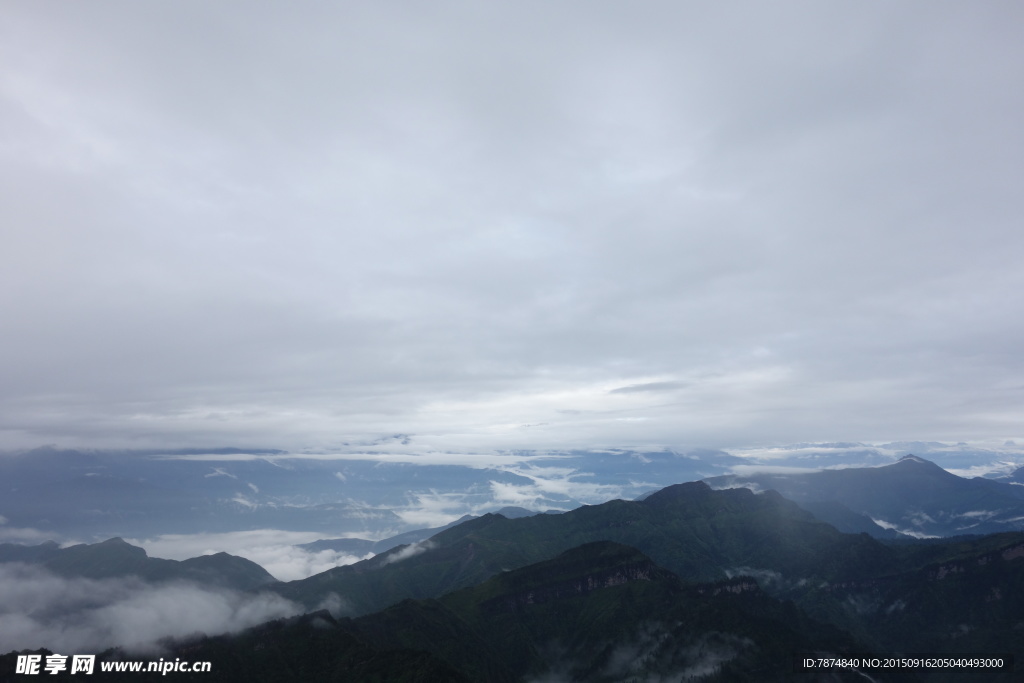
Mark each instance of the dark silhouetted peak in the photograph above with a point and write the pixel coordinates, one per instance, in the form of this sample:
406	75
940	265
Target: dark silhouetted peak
912	463
218	560
113	557
116	558
115	542
13	552
227	570
461	528
114	546
514	512
691	490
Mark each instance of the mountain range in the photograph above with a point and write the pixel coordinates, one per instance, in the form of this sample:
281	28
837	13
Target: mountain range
378	489
913	497
695	532
141	494
690	583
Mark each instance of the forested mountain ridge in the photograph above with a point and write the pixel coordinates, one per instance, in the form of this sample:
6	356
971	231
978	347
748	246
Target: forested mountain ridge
695	532
115	558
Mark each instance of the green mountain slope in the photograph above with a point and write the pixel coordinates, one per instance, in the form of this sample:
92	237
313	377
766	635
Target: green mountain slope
606	612
889	597
970	600
695	532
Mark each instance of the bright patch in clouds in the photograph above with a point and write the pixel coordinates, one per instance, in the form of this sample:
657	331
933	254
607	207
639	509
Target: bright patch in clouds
272	549
909	532
23	535
430	509
554	482
409	551
415	456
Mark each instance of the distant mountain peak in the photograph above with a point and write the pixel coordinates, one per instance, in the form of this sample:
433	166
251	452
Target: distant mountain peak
513	512
690	490
908	461
113	545
116	541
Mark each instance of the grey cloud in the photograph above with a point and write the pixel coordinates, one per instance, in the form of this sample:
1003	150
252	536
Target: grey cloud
26	535
83	616
336	605
409	551
711	651
298	226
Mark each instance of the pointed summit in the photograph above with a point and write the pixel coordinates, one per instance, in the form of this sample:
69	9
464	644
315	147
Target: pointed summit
114	542
914	463
690	491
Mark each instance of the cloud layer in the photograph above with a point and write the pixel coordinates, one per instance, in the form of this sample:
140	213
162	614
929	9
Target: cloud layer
513	226
85	616
272	549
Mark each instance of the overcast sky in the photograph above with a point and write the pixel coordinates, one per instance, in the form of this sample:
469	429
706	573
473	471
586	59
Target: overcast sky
511	224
